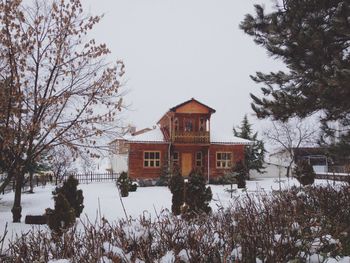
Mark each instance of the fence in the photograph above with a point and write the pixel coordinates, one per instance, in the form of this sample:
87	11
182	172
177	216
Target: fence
86	178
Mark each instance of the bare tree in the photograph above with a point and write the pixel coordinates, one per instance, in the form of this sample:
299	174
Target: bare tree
288	136
57	88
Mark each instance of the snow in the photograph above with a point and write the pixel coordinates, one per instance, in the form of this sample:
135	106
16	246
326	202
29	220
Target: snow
102	200
154	136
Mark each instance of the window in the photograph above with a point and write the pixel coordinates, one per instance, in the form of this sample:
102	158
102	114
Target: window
202	124
151	159
223	159
199	159
176	158
188	125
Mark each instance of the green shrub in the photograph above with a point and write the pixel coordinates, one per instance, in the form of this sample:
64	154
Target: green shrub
198	195
132	186
62	217
241	174
176	186
74	196
304	173
123	183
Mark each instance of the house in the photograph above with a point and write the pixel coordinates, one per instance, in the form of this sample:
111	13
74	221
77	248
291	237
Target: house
182	137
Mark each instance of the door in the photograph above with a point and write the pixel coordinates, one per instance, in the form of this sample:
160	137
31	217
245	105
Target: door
186	164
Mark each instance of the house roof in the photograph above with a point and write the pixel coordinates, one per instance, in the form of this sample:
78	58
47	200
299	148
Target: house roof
152	136
221	137
211	110
156	136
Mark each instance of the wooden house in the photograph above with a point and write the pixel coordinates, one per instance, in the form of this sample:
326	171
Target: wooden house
182	138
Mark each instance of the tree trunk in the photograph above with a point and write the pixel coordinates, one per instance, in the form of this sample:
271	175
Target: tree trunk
17	208
31	187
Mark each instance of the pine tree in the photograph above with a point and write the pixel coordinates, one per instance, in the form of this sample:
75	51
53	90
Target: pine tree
62	217
254	154
123	183
198	195
74	196
304	173
312	39
241	173
176	186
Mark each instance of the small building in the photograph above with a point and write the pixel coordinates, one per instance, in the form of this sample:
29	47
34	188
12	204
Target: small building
182	138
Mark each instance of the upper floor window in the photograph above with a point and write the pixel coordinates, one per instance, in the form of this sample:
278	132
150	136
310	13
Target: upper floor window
202	124
188	125
151	159
176	124
223	160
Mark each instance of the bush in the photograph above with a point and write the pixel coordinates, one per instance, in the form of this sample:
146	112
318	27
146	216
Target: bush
132	186
296	225
241	174
123	183
304	173
198	195
176	186
62	217
74	196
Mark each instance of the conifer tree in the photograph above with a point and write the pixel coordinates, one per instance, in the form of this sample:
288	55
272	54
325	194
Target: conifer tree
176	186
241	173
123	183
198	195
62	217
72	194
304	173
255	153
312	39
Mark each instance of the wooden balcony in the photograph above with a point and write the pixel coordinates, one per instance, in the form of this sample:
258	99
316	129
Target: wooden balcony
191	137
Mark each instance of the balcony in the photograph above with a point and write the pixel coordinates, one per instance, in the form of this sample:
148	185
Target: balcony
202	137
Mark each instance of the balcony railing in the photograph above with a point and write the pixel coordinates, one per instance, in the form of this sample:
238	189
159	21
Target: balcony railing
191	137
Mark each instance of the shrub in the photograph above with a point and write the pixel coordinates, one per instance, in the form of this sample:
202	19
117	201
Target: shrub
241	174
132	186
198	195
74	196
176	186
62	217
123	183
304	173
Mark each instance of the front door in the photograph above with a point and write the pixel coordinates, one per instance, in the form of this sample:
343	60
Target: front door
186	164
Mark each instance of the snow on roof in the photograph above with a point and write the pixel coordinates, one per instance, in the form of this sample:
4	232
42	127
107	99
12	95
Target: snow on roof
220	137
156	136
152	136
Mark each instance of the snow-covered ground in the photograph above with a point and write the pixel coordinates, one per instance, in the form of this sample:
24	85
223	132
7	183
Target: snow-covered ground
104	197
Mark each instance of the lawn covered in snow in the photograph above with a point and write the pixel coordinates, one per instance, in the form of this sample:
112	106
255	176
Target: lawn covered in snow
102	200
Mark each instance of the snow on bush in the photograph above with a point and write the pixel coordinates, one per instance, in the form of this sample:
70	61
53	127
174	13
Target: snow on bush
296	225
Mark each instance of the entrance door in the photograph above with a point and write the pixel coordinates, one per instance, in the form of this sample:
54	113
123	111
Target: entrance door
186	164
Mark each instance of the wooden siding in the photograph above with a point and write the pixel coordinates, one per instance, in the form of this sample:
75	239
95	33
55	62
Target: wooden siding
237	155
192	107
136	165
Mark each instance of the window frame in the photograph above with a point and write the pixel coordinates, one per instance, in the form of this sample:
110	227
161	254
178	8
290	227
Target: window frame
224	163
149	159
199	160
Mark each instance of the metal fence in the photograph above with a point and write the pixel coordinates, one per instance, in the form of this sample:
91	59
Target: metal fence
85	178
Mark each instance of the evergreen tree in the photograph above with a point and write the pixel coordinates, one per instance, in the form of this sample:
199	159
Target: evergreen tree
198	195
176	186
123	183
74	196
241	173
312	39
62	217
304	173
253	154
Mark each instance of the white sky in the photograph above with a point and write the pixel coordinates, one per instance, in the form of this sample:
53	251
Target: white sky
178	49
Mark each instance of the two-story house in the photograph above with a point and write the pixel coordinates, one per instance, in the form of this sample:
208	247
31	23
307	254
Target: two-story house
182	137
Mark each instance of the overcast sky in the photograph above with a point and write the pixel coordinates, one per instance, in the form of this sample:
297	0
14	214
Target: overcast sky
174	50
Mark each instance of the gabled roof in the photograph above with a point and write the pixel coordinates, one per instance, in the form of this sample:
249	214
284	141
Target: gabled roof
173	109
